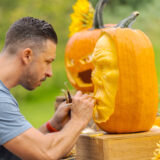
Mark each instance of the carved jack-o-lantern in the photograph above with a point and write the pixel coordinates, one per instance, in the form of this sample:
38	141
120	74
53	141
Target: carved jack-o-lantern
79	52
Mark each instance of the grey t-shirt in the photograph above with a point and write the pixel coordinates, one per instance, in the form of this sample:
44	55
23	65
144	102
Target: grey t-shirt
12	122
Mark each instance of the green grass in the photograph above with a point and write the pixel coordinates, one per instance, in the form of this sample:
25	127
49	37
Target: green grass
39	110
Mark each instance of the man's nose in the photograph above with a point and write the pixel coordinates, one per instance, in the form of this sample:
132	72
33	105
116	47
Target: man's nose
49	73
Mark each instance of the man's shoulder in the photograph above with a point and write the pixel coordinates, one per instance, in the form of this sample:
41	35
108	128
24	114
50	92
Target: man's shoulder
6	97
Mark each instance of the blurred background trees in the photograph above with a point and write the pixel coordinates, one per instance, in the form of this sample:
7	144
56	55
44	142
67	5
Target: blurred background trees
37	105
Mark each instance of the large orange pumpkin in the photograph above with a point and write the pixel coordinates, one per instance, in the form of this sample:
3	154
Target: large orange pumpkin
79	51
125	81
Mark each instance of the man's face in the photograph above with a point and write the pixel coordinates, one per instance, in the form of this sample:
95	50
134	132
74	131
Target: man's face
40	68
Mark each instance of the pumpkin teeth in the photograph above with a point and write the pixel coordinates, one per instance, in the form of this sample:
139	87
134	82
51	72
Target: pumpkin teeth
82	17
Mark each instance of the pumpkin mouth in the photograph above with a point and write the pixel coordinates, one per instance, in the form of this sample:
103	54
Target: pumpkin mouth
81	79
85	76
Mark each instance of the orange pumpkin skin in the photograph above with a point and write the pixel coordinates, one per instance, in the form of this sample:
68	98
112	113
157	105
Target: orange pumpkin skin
136	101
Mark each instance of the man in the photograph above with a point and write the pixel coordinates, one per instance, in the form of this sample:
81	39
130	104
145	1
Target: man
26	60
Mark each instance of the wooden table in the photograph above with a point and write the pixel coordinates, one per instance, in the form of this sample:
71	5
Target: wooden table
134	146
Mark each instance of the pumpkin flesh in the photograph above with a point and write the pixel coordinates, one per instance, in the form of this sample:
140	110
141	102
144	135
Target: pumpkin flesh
105	78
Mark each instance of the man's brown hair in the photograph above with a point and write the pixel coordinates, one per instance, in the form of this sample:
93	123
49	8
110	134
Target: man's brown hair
31	31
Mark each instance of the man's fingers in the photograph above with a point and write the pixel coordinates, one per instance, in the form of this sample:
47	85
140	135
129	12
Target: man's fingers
85	95
65	106
79	93
93	101
89	97
68	105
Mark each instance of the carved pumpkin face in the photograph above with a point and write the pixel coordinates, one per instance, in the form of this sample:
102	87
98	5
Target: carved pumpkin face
78	57
79	49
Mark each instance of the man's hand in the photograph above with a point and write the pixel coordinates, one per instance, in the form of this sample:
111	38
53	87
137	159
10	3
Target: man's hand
82	107
81	110
61	116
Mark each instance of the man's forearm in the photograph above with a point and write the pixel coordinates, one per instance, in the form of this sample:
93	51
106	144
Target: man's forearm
43	129
51	146
62	142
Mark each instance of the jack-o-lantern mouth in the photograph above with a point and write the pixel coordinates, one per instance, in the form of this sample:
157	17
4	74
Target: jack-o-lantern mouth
81	79
85	76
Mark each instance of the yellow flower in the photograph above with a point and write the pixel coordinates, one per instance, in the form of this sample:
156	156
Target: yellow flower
82	17
157	153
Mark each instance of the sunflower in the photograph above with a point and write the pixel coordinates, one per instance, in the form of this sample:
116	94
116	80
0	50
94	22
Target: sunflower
82	17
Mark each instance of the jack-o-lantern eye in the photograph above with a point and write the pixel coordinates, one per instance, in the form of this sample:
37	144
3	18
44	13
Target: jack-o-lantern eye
86	59
70	62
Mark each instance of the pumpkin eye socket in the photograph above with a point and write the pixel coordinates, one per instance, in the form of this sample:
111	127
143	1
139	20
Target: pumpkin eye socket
70	62
85	76
86	59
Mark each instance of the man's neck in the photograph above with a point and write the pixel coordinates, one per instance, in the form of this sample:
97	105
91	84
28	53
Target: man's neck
10	71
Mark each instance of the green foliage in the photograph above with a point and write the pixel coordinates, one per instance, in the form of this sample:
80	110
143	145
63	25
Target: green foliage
135	4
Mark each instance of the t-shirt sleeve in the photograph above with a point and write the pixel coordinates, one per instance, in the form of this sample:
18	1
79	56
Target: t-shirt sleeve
12	122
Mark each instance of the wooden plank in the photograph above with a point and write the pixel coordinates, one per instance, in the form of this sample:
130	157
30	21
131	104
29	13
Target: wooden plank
134	146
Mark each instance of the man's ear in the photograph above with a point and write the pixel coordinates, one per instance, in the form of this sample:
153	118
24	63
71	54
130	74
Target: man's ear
27	55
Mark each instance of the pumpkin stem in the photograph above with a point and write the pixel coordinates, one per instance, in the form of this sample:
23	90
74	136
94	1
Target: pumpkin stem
127	22
98	20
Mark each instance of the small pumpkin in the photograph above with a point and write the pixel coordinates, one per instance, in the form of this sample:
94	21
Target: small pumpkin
125	80
157	121
78	52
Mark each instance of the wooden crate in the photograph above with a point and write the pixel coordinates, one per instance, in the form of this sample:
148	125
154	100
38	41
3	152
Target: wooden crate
134	146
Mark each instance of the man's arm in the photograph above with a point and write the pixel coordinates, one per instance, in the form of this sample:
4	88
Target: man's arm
60	118
34	145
